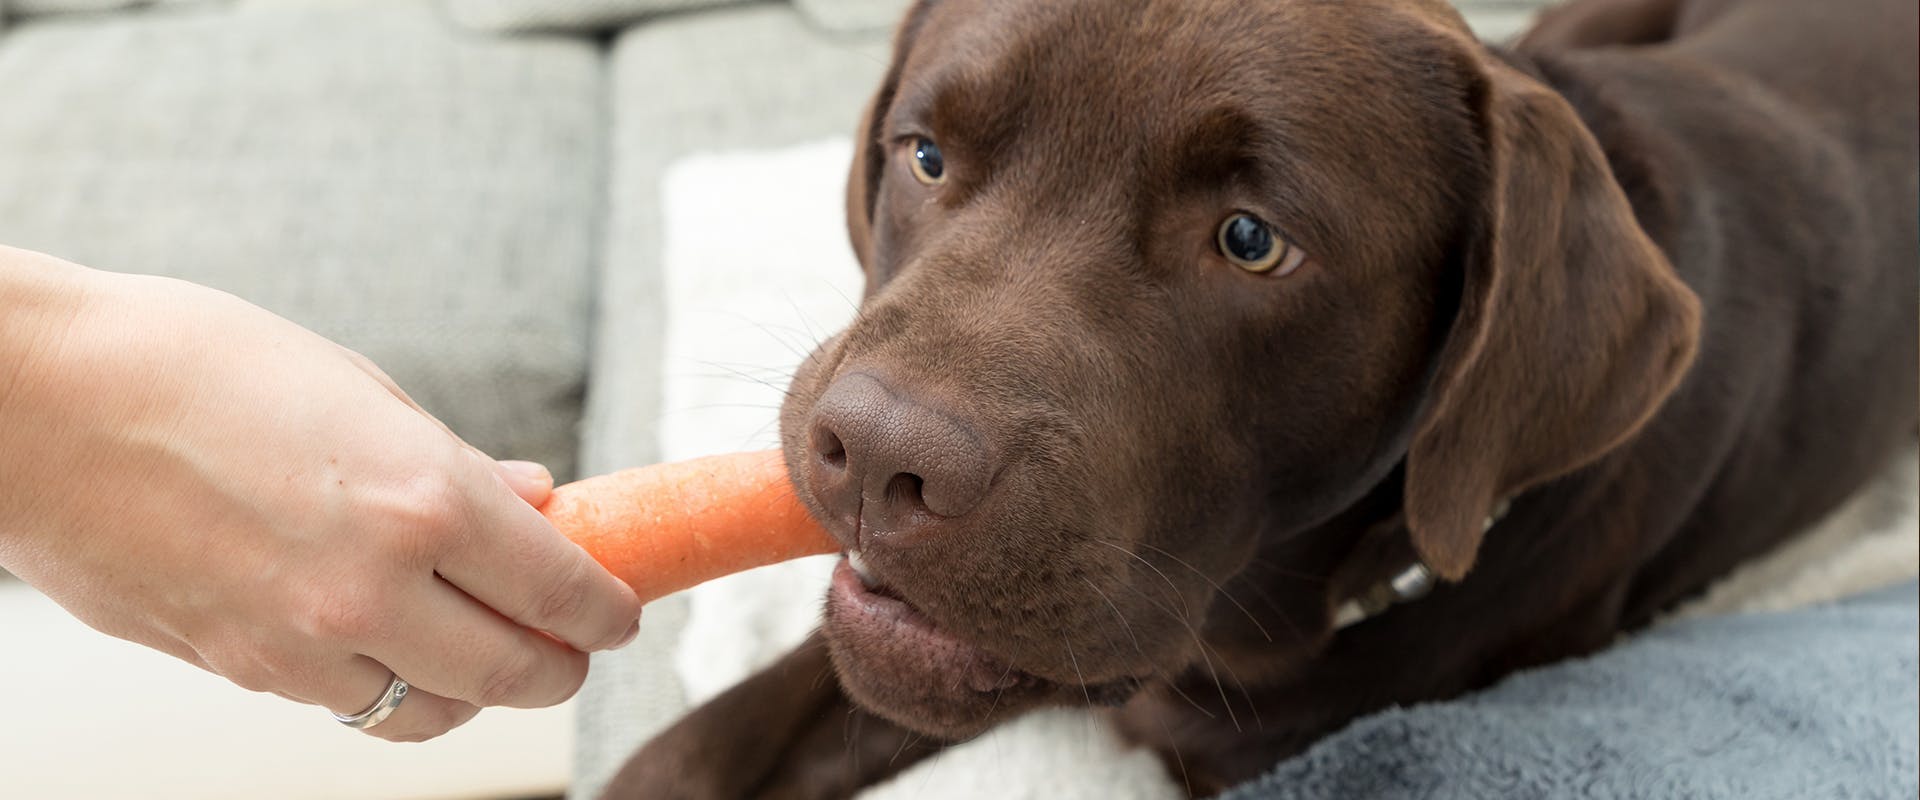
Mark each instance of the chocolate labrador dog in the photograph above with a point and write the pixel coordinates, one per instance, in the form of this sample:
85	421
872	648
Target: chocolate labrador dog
1248	366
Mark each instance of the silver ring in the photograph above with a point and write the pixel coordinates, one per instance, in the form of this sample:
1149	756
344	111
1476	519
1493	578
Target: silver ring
381	708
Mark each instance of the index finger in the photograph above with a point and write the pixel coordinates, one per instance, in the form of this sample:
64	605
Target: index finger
517	563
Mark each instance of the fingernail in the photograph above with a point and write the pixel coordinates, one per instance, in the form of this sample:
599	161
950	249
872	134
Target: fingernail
528	469
632	634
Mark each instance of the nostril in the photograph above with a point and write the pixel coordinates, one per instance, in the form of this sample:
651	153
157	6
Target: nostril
831	450
904	491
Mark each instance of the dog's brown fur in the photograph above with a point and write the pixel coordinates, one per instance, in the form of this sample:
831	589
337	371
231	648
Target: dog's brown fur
1663	296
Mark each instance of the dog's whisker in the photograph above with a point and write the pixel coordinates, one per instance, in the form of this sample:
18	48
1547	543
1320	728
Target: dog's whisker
1207	659
848	300
905	742
755	381
1078	676
1286	619
806	322
1121	618
1232	717
927	774
1167	679
1216	587
1081	678
1285	572
1230	598
754	440
1258	724
775	380
741	374
1171	682
1162	607
1201	646
717	407
1171	586
769	329
729	371
1179	760
991	707
744	366
1053	623
1127	626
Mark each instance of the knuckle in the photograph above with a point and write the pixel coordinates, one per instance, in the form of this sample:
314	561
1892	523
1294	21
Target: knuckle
249	669
509	682
431	504
562	600
352	614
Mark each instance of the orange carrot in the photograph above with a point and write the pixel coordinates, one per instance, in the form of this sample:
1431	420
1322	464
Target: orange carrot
670	527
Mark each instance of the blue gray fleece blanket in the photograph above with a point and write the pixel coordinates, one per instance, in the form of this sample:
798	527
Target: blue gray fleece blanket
1816	703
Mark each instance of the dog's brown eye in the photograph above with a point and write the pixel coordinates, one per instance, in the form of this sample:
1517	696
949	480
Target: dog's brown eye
928	165
1251	244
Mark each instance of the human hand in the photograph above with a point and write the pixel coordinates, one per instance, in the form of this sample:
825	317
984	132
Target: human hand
187	471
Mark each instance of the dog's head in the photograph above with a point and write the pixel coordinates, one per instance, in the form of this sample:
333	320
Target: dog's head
1152	282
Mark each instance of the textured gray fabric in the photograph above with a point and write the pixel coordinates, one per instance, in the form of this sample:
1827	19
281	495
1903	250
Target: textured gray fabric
429	199
748	78
1820	702
854	15
562	15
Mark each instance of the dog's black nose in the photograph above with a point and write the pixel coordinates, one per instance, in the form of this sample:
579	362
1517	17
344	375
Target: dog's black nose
891	464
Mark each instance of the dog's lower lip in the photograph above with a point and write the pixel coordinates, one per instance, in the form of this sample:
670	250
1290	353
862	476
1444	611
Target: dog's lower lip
882	612
875	597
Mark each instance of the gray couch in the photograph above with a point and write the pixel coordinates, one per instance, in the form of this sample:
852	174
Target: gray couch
464	190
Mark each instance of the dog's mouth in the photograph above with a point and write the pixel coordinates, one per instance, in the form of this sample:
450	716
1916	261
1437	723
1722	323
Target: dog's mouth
883	619
900	663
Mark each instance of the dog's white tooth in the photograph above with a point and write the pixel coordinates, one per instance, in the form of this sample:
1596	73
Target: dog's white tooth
859	564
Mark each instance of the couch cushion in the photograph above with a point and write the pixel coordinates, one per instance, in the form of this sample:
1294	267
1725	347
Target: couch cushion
567	15
426	198
1492	19
22	8
26	7
1499	20
854	15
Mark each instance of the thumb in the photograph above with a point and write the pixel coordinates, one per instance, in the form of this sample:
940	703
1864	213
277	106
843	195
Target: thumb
532	482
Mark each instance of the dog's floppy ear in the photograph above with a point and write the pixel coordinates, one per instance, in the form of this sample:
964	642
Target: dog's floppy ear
1572	329
869	153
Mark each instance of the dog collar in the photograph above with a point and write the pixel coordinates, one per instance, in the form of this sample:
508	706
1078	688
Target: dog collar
1411	583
